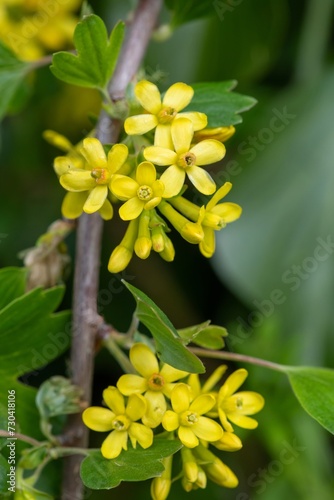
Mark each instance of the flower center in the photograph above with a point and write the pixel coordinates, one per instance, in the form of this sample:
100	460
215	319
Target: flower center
166	115
214	221
186	160
101	175
156	382
189	418
144	193
121	423
239	403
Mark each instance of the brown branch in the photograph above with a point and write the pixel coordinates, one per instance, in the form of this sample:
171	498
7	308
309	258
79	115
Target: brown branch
85	316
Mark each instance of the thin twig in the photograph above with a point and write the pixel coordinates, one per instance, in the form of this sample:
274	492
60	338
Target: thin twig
21	437
89	243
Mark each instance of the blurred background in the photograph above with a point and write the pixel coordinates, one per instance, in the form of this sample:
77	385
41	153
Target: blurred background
271	281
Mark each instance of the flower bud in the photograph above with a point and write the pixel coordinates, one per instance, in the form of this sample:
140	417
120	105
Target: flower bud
215	469
119	259
160	486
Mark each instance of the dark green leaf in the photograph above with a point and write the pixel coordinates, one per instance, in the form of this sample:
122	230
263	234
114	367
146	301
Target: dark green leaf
96	56
188	10
168	342
12	284
12	72
221	106
314	389
204	335
132	465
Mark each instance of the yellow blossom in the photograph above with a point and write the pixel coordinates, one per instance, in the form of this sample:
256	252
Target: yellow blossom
236	406
221	134
96	177
153	381
122	254
121	420
187	417
143	193
160	114
216	216
184	159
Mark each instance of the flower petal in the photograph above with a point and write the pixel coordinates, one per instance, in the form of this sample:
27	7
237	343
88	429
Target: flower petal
94	153
136	407
223	419
182	133
180	398
214	378
178	96
219	195
98	419
173	180
171	374
228	442
77	180
209	151
146	173
202	404
142	434
114	443
201	179
123	187
160	156
96	199
187	436
131	209
62	164
163	136
232	384
208	245
229	212
129	384
207	429
106	211
244	403
152	203
170	421
243	421
156	408
140	124
199	120
149	96
114	400
143	360
117	157
72	206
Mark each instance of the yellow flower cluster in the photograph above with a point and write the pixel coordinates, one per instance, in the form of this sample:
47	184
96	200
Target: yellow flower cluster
33	27
149	180
186	410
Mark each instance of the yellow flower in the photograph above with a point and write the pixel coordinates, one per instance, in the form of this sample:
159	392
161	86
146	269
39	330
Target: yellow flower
221	134
186	160
122	254
153	381
161	114
215	469
143	193
96	177
215	218
235	406
32	27
187	417
121	420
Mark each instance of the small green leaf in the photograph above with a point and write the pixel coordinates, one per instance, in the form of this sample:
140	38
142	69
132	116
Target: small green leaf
96	56
204	335
221	106
189	10
168	342
12	72
137	464
314	389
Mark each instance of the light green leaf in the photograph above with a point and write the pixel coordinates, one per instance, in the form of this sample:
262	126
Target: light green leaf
204	335
96	56
12	72
314	389
31	336
132	465
168	342
221	106
189	10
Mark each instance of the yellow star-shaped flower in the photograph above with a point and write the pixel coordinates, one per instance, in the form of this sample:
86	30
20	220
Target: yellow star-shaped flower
160	114
185	160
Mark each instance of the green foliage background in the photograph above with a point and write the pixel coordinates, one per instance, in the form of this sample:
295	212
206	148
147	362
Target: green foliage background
284	182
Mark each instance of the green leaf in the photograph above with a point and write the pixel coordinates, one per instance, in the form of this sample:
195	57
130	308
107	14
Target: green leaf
96	56
221	106
12	284
189	10
31	336
168	342
4	470
314	389
204	335
132	465
12	72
